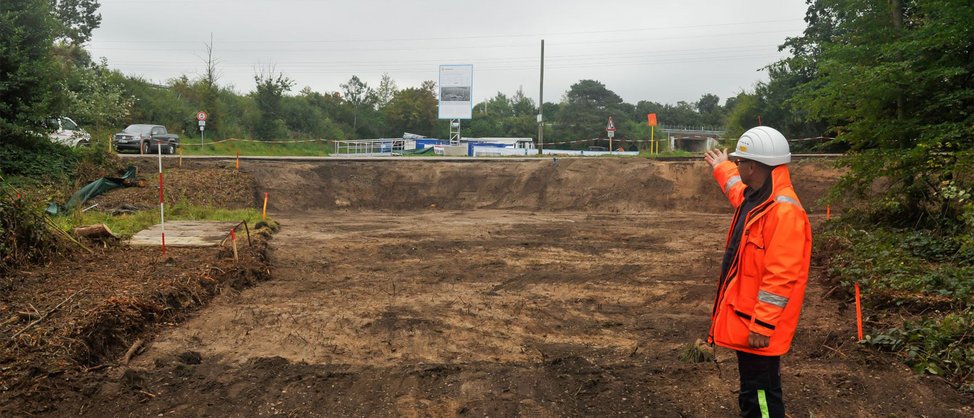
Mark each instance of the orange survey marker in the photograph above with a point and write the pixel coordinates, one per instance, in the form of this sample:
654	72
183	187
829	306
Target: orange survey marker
828	212
264	215
858	312
238	160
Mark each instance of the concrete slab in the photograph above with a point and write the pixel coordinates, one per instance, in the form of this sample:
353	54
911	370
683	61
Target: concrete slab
184	234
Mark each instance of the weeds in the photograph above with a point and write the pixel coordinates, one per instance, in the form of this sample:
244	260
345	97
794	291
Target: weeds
245	148
698	352
126	225
25	236
926	276
942	346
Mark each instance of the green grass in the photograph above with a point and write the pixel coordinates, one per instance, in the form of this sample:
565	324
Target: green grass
668	153
247	148
126	225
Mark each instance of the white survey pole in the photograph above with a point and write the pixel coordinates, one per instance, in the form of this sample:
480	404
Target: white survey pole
162	205
541	105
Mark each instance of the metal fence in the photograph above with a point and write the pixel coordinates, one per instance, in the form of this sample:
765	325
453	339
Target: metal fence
369	146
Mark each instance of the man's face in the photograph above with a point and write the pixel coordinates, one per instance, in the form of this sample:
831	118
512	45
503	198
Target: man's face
746	169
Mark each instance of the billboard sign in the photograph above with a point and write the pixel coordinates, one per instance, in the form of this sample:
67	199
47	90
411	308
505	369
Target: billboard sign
456	92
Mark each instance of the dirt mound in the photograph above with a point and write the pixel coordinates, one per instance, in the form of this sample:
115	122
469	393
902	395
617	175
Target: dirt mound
209	187
74	316
591	185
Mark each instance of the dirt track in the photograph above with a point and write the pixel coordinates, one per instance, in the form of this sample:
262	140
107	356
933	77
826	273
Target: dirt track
497	289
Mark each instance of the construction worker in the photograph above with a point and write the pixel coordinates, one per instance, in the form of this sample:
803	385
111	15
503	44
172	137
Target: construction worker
765	265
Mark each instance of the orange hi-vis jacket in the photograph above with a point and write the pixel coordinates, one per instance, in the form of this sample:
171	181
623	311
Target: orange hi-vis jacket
763	289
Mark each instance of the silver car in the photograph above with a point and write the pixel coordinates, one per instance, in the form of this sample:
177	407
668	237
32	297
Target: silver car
66	132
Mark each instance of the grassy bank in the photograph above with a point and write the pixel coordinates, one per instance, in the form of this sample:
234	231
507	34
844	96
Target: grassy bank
126	225
191	146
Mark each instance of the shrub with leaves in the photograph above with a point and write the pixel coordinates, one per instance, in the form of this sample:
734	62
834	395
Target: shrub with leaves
25	236
938	346
919	269
923	275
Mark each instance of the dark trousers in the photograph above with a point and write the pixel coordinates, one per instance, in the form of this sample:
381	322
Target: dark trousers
760	395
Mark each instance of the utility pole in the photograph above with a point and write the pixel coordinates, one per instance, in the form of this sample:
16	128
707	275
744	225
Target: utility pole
541	105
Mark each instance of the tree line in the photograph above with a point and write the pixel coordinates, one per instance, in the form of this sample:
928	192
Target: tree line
359	110
46	72
892	82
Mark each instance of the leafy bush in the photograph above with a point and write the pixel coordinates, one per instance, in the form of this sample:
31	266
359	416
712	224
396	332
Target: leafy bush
38	158
921	269
926	276
938	346
25	236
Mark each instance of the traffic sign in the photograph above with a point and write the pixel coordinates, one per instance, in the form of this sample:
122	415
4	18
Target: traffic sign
201	116
651	119
611	127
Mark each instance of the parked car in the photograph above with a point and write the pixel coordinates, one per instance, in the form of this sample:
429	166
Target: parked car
146	138
65	131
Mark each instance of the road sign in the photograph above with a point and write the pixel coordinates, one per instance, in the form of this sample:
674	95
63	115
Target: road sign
611	127
612	134
202	124
201	116
651	119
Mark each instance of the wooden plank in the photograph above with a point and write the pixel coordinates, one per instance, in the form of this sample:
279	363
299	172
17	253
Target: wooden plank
184	234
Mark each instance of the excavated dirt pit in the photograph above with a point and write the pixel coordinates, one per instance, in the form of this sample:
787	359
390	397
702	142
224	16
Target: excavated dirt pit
546	288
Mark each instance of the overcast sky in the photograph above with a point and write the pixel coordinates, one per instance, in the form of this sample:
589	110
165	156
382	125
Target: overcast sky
663	51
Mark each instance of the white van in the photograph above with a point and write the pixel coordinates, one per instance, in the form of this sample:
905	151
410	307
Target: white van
65	131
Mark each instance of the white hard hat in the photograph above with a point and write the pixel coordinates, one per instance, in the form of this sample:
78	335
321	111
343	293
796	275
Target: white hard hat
765	145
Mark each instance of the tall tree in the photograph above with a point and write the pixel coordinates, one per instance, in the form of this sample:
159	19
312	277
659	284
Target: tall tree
26	68
359	96
77	19
523	124
386	90
895	81
413	110
708	103
271	87
210	92
586	108
100	97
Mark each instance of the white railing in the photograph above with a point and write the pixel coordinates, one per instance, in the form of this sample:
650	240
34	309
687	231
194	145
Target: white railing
369	146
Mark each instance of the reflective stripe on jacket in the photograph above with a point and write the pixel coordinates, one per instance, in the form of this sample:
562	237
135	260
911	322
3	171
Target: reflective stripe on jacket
765	284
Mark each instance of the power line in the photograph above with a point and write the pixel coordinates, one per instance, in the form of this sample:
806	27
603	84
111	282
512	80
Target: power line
506	60
385	49
528	35
431	68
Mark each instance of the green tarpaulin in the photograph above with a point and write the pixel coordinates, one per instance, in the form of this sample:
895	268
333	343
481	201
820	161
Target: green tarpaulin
420	151
91	190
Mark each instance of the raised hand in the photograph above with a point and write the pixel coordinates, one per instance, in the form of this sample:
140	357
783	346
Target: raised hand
715	156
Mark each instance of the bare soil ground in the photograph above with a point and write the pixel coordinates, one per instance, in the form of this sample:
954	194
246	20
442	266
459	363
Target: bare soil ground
545	288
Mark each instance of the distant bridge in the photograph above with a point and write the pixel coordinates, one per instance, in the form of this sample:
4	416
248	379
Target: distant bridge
701	139
693	139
